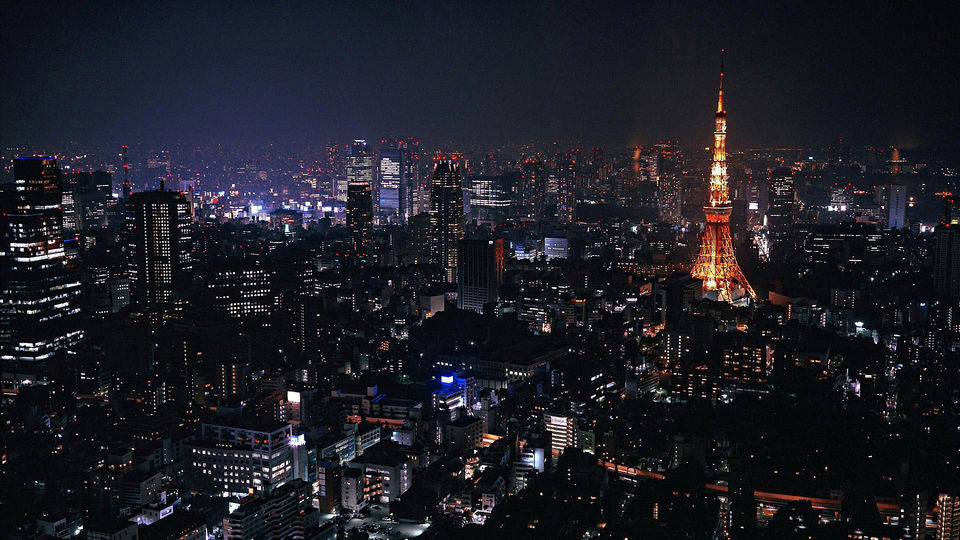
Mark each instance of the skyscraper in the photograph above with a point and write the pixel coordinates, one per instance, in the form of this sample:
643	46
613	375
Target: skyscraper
360	218
159	235
418	239
946	251
717	263
446	216
780	213
359	167
479	273
393	185
39	290
91	195
534	189
411	177
896	206
489	197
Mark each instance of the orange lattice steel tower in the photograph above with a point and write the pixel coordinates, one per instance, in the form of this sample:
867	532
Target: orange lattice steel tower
717	264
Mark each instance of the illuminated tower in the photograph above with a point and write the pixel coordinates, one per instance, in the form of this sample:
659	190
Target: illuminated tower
717	264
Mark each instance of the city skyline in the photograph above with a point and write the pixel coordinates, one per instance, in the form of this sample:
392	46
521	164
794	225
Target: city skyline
482	270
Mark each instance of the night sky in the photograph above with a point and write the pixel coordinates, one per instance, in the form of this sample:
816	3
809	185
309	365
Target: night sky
483	72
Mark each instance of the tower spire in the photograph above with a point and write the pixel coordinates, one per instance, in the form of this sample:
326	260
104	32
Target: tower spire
720	99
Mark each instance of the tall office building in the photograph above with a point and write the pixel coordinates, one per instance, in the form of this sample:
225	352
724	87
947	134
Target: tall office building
159	236
782	198
896	206
360	218
563	432
242	291
91	196
39	290
411	177
393	186
489	197
479	273
359	168
446	216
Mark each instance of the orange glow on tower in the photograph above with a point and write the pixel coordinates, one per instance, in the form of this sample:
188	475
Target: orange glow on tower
717	263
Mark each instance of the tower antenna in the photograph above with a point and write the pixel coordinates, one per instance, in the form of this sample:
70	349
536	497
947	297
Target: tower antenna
126	176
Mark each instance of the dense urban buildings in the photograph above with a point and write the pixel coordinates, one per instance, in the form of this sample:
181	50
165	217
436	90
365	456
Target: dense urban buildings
580	321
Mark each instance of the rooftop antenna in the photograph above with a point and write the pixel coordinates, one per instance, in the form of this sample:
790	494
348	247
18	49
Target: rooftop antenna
126	176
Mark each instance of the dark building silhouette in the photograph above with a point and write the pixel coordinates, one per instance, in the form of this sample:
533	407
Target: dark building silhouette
360	218
780	213
446	216
479	273
418	239
39	288
946	266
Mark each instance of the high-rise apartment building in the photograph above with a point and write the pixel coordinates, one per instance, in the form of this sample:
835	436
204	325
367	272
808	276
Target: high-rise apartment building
39	289
159	236
948	517
446	216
